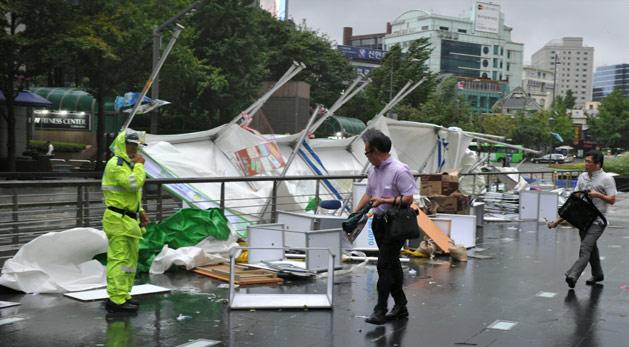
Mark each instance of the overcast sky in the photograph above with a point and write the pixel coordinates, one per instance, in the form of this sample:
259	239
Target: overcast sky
603	24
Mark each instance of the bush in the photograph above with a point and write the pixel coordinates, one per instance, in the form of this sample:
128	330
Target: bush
60	147
619	165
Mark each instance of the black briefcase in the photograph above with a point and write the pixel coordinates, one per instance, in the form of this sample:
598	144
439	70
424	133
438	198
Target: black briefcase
580	211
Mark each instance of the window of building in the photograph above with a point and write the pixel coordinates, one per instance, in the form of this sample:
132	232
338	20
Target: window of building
494	75
585	53
462	31
496	50
502	51
508	54
495	62
578	52
485	63
483	75
501	63
486	50
444	28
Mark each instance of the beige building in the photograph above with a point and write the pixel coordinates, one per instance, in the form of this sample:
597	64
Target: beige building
572	63
538	83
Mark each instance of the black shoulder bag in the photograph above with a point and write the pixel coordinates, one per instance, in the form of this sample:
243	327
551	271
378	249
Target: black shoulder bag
402	221
580	211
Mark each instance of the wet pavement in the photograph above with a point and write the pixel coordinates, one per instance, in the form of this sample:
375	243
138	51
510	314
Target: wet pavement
450	303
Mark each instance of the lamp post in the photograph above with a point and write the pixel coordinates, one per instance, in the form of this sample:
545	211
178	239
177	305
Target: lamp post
555	77
157	45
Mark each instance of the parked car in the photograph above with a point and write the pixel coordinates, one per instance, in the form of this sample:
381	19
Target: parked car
553	158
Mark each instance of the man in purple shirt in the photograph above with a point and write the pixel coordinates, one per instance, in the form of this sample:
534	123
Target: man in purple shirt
388	179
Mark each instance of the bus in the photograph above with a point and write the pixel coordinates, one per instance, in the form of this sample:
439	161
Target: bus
497	152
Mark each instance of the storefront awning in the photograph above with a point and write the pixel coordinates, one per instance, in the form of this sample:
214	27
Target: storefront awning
28	98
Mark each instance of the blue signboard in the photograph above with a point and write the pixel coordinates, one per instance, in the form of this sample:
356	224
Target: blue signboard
360	53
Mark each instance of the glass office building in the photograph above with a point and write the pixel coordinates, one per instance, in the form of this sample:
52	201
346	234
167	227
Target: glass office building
607	78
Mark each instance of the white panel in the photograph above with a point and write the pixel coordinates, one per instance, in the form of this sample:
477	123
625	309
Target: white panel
548	205
317	260
463	229
272	301
529	204
265	236
294	222
101	294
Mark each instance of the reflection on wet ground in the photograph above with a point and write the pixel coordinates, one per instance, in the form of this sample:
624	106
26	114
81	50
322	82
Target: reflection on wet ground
450	303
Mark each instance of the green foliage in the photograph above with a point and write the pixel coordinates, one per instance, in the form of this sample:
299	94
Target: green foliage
612	124
532	131
446	108
497	124
396	70
569	100
60	147
619	165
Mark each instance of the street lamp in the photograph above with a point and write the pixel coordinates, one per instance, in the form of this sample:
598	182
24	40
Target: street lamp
555	77
157	44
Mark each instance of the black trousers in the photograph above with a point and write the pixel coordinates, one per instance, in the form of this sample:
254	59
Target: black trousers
588	252
390	275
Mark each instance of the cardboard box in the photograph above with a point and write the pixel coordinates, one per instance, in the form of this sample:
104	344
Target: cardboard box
439	184
456	203
445	204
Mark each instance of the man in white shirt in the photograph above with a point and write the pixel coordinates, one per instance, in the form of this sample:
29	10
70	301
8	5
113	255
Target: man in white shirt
601	188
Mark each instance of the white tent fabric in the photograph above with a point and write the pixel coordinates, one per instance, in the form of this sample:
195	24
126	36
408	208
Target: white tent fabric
57	262
426	148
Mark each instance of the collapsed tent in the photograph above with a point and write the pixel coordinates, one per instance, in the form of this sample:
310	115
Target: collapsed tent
218	153
57	262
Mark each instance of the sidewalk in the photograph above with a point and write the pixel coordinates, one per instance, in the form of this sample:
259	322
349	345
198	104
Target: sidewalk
450	303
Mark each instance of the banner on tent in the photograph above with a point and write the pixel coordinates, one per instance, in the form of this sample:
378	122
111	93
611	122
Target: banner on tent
260	158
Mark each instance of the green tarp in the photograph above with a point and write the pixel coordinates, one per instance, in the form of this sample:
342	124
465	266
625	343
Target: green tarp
187	227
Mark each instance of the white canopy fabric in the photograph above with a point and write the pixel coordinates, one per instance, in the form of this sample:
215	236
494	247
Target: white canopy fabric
425	148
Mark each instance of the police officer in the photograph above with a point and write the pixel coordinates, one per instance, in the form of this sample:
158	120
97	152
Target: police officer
122	184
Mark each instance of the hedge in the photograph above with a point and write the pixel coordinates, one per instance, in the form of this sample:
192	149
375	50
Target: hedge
60	147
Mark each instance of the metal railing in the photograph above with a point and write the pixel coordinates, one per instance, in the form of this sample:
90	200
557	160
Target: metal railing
29	208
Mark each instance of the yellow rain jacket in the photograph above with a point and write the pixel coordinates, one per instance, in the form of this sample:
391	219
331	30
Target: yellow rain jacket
122	188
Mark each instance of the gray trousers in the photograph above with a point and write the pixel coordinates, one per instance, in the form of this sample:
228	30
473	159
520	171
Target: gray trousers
588	252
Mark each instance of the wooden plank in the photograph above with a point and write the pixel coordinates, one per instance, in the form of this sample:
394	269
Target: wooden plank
431	230
243	276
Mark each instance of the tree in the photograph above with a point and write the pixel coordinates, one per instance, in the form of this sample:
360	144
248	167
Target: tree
396	69
533	130
497	124
612	124
559	120
569	100
31	33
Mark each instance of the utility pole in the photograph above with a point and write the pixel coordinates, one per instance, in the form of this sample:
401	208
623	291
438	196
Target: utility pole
157	46
555	78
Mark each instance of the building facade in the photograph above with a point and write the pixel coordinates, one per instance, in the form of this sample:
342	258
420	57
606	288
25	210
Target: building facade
373	41
608	78
475	47
539	84
571	63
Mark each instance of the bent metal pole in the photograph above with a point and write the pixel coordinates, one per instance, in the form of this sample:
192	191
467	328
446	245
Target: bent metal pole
178	29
